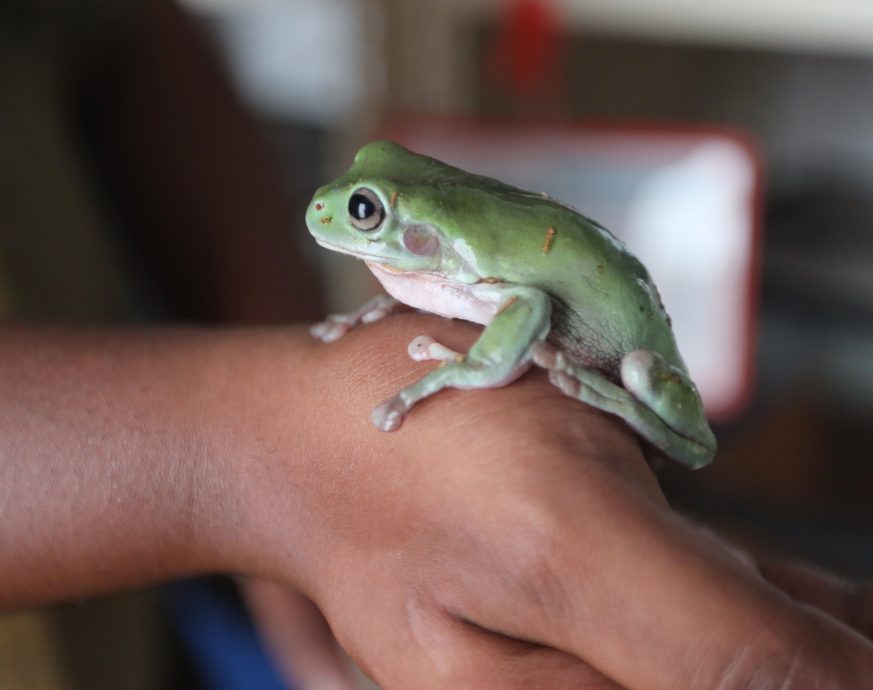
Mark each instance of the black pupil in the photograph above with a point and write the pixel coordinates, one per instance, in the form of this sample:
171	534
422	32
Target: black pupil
361	207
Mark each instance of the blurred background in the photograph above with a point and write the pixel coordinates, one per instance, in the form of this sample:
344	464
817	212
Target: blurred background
157	159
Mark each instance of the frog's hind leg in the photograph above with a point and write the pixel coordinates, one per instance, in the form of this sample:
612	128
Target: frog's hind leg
659	402
670	393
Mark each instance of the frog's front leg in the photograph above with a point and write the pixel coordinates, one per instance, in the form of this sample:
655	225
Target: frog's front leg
501	354
336	326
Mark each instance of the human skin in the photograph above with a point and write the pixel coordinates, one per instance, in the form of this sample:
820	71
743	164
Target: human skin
508	538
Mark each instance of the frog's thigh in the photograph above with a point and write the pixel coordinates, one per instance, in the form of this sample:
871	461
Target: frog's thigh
593	388
499	356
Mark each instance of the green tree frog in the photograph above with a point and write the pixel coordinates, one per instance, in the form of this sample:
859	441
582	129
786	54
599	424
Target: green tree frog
551	287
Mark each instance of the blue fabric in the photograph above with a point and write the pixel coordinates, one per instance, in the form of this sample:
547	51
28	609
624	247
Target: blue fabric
220	638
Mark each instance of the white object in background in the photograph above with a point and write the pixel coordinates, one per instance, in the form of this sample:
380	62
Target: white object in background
689	223
300	59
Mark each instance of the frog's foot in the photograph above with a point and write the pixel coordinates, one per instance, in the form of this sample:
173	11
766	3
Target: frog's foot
424	348
547	356
337	325
671	395
659	401
389	415
467	372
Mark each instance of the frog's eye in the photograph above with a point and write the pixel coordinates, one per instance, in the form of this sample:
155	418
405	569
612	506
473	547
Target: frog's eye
365	210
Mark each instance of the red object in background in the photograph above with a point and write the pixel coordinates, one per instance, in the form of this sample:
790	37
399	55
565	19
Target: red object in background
526	58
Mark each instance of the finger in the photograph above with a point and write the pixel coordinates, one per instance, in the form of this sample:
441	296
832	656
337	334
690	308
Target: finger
297	636
847	600
458	655
608	573
487	660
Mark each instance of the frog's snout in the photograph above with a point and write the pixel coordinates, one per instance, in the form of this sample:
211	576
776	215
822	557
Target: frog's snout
317	205
317	214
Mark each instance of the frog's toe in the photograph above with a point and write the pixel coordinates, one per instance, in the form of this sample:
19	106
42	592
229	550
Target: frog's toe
425	348
329	330
569	384
376	313
389	415
373	316
547	356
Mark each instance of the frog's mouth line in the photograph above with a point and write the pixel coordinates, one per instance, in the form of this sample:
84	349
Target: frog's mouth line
388	268
371	259
358	255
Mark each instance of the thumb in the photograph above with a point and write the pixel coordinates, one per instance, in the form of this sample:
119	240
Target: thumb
297	637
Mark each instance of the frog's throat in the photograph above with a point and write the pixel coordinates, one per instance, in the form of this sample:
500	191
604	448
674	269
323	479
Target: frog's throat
438	294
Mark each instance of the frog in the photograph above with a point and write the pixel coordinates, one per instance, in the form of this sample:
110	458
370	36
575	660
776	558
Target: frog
552	288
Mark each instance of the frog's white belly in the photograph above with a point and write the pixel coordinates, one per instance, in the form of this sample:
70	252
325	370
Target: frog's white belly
477	303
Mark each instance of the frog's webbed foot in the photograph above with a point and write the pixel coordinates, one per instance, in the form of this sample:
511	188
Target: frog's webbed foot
500	355
658	401
336	326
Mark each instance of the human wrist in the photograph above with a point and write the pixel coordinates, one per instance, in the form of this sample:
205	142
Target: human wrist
261	411
303	456
291	430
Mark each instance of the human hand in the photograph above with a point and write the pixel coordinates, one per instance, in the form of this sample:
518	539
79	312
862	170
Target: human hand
307	655
503	538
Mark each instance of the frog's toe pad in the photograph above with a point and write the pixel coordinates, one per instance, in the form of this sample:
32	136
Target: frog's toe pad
389	415
333	328
375	314
425	348
569	385
420	348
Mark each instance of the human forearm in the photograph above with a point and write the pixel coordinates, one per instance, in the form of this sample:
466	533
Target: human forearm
112	454
134	456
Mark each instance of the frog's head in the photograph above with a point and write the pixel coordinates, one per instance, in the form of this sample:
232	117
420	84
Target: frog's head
380	211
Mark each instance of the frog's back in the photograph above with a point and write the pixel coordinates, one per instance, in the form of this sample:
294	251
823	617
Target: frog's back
604	301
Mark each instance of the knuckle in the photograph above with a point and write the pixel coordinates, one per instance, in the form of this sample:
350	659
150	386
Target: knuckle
780	655
756	667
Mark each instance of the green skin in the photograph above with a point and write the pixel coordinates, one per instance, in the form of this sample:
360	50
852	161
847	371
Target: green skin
552	287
